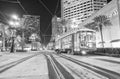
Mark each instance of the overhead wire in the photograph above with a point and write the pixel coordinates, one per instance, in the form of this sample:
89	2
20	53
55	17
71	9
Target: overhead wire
56	7
50	14
45	7
22	6
47	27
54	14
25	11
4	16
16	2
58	12
9	1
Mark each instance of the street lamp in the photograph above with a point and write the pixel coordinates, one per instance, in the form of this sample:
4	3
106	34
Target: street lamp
14	23
15	17
74	23
11	23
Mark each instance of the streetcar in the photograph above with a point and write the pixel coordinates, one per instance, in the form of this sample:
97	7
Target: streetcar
80	41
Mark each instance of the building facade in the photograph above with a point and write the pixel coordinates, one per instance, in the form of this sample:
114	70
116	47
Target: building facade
80	9
57	27
111	34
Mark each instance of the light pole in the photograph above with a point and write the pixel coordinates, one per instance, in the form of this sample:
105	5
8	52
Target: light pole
14	23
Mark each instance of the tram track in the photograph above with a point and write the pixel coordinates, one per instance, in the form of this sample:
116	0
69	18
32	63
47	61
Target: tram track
7	66
104	72
111	61
56	71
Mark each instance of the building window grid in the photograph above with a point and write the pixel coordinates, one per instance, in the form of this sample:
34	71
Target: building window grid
100	1
78	9
81	11
79	5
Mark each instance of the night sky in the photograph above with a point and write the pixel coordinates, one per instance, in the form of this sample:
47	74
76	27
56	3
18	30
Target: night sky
46	10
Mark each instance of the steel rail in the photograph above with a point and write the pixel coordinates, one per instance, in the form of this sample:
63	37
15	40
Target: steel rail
58	74
57	70
65	73
102	71
107	60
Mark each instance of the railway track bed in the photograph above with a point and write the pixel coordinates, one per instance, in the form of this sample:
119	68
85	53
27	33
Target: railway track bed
83	70
102	71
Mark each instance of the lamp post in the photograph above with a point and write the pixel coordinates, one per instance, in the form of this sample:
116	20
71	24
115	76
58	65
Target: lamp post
14	23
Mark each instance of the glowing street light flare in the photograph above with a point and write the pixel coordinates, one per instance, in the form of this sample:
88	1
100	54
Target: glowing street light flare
14	20
17	23
11	22
15	17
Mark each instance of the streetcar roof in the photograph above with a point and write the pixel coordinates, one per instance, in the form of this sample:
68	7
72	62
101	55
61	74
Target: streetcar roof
74	31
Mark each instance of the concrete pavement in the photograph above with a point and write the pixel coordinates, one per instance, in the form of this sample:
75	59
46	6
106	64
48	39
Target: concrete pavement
34	68
94	60
6	57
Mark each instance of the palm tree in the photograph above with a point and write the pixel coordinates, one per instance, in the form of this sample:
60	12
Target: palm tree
92	26
98	23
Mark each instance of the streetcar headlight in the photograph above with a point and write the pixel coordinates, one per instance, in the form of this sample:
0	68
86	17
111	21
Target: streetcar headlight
90	45
83	52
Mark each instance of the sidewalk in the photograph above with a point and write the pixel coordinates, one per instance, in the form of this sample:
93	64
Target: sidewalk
8	52
2	53
7	57
34	68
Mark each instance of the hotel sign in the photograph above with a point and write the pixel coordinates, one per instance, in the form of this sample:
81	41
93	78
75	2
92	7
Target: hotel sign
113	13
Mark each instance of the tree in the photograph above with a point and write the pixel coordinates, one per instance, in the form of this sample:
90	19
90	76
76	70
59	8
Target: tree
4	30
23	31
29	24
98	23
92	26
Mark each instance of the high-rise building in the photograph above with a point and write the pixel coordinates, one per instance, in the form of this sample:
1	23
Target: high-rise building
80	9
56	27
